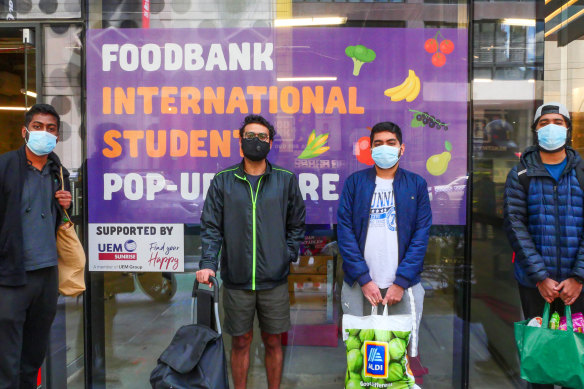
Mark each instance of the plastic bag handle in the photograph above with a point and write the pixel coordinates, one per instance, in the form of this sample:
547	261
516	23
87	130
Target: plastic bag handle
568	313
545	318
414	337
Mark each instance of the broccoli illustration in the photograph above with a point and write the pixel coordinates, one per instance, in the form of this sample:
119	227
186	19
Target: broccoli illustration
360	54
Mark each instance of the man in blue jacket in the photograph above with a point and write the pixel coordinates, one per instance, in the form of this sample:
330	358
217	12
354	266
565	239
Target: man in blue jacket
545	222
384	219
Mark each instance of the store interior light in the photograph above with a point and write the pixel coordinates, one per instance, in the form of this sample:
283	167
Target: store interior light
13	109
325	21
283	79
28	93
519	22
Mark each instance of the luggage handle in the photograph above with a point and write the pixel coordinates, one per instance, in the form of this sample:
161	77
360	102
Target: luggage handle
215	288
215	302
545	318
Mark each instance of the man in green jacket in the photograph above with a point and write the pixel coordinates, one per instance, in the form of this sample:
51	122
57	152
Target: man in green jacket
253	220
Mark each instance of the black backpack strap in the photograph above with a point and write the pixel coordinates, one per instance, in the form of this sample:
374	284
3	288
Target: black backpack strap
580	173
524	178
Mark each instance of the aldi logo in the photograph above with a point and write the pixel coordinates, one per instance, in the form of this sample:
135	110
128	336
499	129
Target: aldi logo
376	359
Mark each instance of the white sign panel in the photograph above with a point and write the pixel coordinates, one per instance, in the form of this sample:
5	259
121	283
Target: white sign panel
136	247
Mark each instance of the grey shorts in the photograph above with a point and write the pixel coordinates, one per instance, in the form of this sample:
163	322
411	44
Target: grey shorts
272	306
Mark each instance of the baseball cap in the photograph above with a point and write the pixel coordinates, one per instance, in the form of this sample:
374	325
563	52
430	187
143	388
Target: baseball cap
551	108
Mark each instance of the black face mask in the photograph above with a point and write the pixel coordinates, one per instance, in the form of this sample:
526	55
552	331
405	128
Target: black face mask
255	149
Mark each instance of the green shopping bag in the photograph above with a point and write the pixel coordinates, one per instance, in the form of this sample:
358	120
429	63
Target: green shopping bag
551	356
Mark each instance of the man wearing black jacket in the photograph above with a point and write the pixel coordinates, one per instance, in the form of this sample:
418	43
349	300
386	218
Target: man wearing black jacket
31	211
253	220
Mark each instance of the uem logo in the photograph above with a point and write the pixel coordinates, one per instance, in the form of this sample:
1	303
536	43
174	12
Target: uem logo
115	251
376	359
130	245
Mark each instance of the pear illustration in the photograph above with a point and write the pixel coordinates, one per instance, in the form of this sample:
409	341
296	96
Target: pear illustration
438	163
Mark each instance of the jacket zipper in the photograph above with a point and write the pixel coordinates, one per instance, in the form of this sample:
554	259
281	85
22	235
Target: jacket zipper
368	217
253	201
558	239
396	218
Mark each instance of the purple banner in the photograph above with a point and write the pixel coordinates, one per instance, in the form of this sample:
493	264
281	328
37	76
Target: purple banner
164	108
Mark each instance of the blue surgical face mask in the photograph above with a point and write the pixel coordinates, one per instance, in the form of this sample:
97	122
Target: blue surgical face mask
385	156
41	142
552	137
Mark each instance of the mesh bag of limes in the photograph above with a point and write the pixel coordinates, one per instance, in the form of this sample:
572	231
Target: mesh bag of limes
377	355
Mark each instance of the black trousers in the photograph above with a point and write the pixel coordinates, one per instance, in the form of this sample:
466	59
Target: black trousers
26	315
532	304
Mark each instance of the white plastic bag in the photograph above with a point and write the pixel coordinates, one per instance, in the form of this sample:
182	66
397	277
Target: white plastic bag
377	345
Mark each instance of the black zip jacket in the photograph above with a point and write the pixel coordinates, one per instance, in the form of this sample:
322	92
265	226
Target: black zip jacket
257	233
12	176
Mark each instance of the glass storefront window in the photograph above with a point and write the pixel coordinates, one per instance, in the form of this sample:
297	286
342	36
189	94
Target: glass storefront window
136	328
523	53
61	87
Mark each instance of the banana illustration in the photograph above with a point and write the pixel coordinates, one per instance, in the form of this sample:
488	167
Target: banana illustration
408	90
415	92
391	91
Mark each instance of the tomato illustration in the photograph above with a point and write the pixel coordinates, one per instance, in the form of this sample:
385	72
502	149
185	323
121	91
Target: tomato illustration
363	151
446	46
431	45
438	59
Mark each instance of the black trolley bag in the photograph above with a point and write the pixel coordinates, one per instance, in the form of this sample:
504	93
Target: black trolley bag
195	359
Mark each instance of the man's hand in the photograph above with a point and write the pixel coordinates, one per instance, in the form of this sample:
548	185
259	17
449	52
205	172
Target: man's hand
64	198
547	289
569	290
393	295
372	293
203	276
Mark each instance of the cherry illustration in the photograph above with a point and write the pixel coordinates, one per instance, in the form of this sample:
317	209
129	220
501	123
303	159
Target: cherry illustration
446	46
438	59
431	45
439	46
363	151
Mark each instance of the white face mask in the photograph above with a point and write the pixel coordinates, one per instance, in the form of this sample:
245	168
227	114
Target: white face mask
385	156
552	137
41	142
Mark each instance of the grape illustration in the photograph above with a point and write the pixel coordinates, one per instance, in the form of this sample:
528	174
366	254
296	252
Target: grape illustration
421	119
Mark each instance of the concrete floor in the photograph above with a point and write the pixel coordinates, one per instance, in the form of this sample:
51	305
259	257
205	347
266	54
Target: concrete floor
142	328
